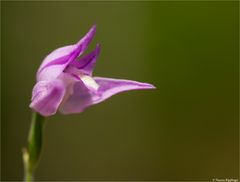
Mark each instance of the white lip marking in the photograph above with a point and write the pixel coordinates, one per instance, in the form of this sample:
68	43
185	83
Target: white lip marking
89	82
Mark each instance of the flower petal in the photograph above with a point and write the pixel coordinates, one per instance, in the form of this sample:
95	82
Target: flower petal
83	97
80	98
87	63
109	87
54	64
47	96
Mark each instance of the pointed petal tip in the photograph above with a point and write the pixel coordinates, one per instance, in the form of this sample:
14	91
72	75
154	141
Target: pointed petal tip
98	48
145	86
93	28
150	86
98	45
88	37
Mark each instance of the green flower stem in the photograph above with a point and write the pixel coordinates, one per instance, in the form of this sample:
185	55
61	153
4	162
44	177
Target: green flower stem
31	155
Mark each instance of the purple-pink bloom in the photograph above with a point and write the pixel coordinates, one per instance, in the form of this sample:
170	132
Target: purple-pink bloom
65	82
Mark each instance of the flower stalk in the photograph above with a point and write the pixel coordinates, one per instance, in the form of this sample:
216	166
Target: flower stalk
65	83
31	155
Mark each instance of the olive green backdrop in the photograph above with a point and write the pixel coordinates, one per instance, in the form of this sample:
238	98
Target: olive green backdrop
186	129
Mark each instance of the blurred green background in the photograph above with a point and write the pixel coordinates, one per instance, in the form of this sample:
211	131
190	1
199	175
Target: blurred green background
186	129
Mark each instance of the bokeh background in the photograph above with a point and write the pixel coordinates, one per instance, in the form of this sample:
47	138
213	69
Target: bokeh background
186	129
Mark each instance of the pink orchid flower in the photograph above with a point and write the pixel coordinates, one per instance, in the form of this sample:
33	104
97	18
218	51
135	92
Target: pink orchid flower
65	82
